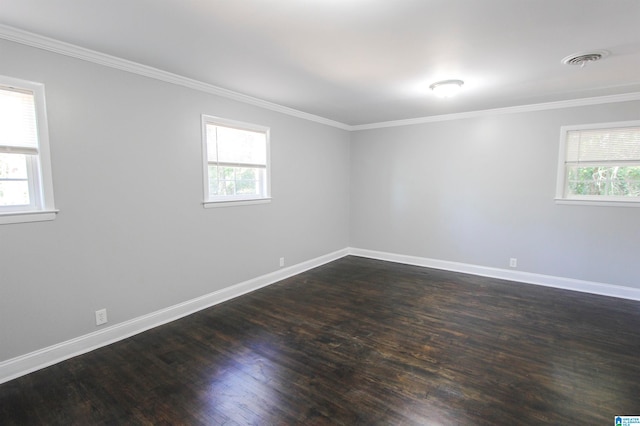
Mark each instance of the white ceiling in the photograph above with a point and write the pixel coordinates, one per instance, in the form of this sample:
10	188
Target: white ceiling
361	61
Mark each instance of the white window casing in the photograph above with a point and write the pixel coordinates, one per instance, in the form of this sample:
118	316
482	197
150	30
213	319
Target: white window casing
26	185
599	164
236	166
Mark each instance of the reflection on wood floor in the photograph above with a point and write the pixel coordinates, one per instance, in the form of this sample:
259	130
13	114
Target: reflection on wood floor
359	341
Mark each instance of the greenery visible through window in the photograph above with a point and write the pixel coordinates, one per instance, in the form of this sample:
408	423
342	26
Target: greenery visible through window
601	163
236	160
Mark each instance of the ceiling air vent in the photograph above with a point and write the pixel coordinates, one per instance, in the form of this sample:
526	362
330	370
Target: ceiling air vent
584	58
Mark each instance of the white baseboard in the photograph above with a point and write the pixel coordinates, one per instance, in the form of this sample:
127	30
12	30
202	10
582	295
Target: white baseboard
504	274
25	364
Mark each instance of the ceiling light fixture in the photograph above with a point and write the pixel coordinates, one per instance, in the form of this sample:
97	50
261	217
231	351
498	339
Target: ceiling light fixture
446	88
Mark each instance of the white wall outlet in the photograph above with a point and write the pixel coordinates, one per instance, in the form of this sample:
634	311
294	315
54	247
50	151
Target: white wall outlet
101	317
513	262
281	262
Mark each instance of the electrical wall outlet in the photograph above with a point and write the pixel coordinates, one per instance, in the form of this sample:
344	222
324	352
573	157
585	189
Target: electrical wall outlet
101	317
281	262
513	262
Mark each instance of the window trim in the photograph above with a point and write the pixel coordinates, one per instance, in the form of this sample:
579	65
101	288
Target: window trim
230	201
560	197
43	208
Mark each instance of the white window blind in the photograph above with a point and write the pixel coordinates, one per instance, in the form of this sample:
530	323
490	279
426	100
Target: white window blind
236	147
599	146
18	130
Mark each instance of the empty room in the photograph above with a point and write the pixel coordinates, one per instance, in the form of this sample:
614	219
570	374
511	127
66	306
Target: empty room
317	212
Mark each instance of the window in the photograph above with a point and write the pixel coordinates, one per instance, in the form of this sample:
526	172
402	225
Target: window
600	163
236	162
26	190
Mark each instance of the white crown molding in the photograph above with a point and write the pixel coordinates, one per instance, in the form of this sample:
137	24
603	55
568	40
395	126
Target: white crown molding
591	287
67	49
625	97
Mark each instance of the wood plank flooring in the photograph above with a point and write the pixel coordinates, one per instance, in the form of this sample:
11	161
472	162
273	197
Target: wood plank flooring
358	342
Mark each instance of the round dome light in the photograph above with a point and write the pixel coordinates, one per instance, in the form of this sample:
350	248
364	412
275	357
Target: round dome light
446	88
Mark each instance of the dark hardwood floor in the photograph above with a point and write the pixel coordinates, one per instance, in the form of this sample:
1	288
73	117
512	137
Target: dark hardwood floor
359	342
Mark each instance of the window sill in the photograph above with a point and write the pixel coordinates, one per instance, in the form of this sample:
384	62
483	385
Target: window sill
26	217
215	204
603	203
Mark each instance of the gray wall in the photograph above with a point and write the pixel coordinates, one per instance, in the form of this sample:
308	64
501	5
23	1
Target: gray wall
132	235
481	190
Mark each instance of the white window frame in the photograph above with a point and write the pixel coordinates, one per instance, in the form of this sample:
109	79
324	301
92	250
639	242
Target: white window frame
561	196
235	200
39	174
